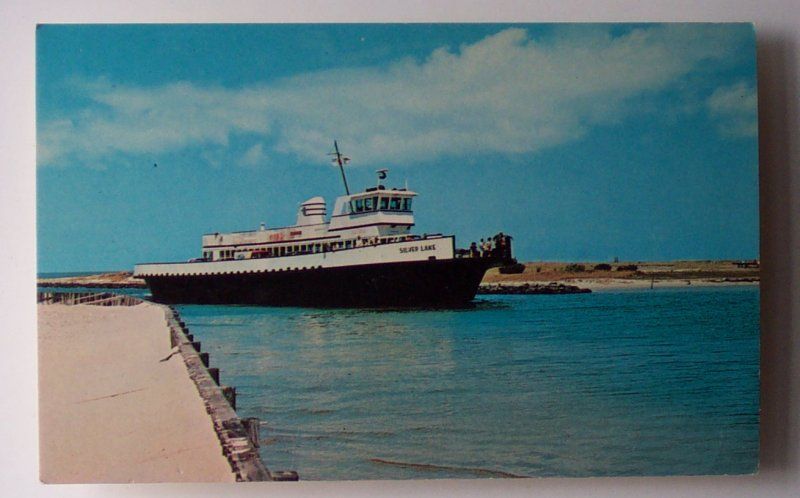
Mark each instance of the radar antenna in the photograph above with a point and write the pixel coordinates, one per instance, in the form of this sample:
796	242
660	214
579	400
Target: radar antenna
341	160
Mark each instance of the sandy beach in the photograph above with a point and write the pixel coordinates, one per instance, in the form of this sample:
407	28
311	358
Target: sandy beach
613	284
630	275
110	411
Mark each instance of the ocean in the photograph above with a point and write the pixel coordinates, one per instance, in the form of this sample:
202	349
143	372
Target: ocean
651	382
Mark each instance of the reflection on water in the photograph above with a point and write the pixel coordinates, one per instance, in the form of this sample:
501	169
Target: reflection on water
651	382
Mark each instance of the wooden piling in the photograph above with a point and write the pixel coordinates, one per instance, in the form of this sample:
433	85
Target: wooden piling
252	425
214	373
221	404
285	475
230	394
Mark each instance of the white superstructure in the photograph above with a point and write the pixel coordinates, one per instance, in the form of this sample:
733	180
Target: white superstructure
373	226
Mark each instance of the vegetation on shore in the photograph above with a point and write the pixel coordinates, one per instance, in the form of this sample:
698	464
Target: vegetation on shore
716	271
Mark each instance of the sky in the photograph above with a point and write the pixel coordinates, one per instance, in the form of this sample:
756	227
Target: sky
585	142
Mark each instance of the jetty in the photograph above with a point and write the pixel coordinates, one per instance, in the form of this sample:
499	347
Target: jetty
111	280
125	395
535	288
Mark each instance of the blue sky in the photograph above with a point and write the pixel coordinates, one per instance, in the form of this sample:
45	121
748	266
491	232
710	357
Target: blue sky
585	142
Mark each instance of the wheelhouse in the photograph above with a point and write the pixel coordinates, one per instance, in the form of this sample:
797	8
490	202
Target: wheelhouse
374	199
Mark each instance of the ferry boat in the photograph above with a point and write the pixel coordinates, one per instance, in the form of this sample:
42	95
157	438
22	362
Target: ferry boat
363	255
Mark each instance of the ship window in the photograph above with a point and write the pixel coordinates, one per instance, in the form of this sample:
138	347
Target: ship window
407	204
347	244
368	204
384	203
359	205
394	205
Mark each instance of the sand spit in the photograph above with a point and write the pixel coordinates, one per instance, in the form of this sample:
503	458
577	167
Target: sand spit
114	280
110	411
629	275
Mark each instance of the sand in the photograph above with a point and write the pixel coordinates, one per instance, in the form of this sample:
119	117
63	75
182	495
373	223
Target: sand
669	274
609	284
110	411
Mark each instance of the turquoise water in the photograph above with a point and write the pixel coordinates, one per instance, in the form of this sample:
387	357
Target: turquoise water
611	383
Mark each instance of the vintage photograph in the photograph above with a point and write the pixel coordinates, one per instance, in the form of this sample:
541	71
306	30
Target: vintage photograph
280	252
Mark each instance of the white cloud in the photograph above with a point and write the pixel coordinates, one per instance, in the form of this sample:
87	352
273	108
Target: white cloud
736	109
505	93
151	120
254	155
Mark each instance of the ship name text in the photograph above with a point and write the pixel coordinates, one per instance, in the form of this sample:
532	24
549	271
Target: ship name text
427	247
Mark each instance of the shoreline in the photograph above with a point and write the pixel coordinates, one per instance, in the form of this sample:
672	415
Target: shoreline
125	396
600	285
539	277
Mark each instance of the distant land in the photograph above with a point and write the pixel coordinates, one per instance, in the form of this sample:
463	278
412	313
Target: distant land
631	274
584	275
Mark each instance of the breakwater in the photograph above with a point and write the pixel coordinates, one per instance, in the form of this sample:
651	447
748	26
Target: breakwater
529	288
113	280
238	438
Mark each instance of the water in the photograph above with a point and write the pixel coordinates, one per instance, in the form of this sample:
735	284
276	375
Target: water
614	383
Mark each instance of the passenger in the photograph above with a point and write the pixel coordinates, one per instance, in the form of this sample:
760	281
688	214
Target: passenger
482	246
498	245
506	247
473	250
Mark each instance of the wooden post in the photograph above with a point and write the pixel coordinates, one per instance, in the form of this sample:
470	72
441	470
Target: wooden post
230	394
196	346
252	425
285	475
214	373
205	359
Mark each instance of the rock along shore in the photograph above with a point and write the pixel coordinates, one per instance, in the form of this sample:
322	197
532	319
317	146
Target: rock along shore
528	288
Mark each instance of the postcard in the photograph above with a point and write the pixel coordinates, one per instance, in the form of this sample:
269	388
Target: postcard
280	252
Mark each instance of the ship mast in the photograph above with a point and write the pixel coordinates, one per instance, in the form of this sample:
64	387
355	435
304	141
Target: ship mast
341	160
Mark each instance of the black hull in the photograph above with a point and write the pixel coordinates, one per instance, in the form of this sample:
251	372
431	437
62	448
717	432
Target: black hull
435	283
